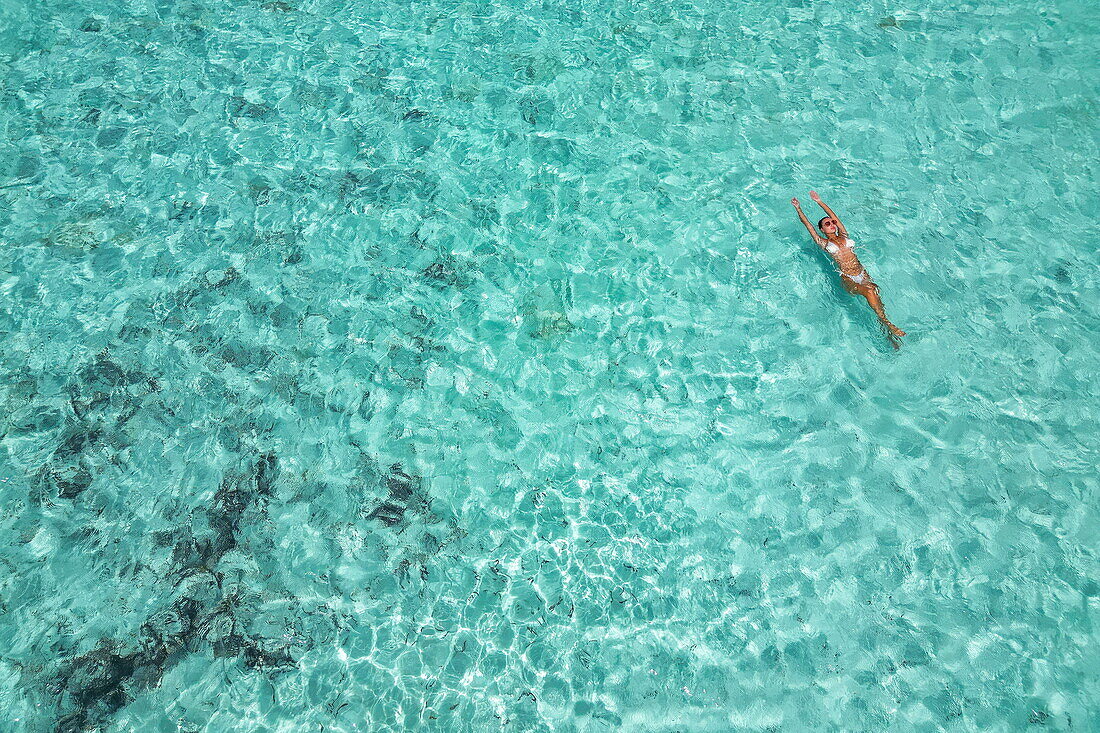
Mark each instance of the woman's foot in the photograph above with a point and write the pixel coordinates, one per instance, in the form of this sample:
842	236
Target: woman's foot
893	333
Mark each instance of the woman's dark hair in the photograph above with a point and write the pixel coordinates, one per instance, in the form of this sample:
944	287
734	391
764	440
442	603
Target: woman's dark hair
822	221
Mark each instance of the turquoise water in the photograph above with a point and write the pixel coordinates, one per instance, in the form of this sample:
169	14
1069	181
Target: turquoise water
462	366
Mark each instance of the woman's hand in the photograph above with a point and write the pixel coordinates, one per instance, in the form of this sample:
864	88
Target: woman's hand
796	204
815	197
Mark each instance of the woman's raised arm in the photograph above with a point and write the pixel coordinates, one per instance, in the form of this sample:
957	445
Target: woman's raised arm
818	239
840	227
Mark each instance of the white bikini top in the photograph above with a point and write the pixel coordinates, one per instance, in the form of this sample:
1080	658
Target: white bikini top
832	247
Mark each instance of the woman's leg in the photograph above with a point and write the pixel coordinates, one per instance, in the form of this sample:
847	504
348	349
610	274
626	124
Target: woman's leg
870	292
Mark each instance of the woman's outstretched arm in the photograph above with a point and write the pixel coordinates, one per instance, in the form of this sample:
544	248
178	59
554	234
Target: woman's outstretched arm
818	239
834	217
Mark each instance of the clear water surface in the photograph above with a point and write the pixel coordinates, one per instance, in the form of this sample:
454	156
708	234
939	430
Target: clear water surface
462	366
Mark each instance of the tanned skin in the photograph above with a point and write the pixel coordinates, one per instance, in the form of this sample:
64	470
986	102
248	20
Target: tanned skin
833	232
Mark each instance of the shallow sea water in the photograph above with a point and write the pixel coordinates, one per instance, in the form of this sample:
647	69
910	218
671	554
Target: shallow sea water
462	366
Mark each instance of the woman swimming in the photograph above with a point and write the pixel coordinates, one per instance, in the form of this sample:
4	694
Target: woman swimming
852	275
